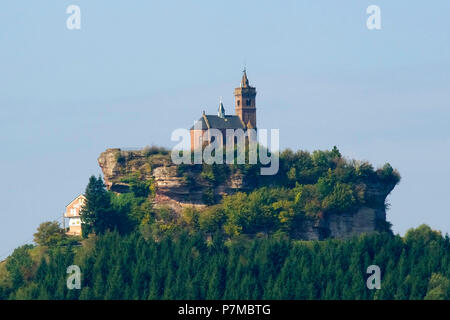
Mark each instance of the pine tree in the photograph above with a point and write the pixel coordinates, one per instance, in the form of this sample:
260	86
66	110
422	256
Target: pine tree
97	215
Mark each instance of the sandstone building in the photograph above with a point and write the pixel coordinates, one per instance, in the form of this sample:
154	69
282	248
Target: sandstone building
244	118
73	214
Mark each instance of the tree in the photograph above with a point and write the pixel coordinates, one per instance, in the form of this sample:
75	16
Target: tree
341	199
423	234
438	288
49	234
388	174
212	219
98	215
19	265
185	266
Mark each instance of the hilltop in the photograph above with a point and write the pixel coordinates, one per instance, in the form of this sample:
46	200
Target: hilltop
234	235
313	196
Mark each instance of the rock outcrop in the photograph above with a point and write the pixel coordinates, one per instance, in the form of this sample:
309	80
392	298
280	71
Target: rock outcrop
174	189
178	190
343	225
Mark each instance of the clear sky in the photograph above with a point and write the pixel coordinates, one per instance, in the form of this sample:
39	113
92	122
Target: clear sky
139	69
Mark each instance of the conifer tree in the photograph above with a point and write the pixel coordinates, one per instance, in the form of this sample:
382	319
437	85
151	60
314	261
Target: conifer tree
97	215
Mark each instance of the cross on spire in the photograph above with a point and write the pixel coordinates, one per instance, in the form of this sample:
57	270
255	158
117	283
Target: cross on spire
244	81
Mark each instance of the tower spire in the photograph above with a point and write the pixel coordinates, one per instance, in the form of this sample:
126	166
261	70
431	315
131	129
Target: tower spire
221	112
245	104
244	81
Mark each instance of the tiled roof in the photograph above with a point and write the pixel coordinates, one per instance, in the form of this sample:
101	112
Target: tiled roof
216	122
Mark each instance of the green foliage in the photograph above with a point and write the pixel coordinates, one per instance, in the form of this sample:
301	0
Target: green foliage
253	212
388	174
190	218
98	214
120	158
49	234
154	150
130	209
189	180
140	187
341	199
423	233
215	174
238	247
19	265
208	196
186	266
212	219
438	288
307	186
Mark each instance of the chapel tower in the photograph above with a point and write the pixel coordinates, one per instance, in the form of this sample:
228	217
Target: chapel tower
245	105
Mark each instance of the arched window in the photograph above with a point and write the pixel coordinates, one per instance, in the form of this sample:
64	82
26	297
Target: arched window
239	102
248	102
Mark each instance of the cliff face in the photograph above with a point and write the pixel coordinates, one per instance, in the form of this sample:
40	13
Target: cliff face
343	225
178	190
172	188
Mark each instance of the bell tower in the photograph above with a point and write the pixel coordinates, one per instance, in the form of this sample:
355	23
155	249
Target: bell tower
245	104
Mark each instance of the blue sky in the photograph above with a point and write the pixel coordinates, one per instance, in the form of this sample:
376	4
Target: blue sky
139	69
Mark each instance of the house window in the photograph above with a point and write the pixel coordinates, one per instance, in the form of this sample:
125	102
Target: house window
248	102
239	102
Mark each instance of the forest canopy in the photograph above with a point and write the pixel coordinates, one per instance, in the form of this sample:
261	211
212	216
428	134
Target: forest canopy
188	267
238	247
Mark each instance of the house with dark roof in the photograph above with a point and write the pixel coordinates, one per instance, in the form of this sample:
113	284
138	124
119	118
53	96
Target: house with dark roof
244	117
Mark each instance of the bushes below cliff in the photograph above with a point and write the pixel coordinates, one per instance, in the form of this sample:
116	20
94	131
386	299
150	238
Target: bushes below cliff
307	186
107	211
270	209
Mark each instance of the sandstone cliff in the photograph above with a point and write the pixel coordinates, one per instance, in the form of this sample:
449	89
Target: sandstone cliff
172	188
178	189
